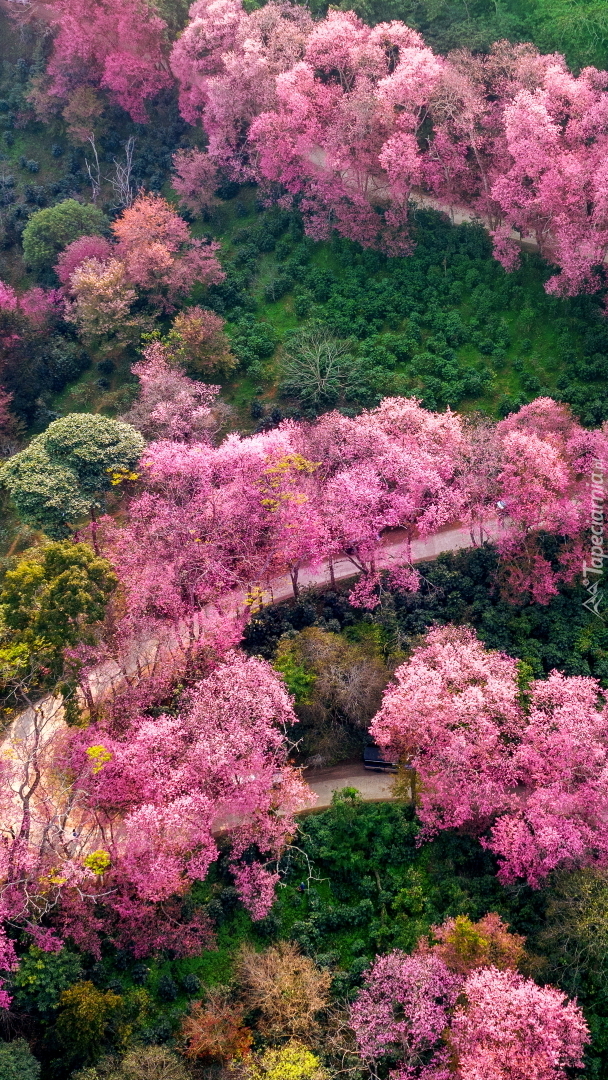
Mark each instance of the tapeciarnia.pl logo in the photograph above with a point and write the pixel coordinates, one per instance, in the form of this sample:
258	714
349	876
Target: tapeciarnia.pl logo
594	570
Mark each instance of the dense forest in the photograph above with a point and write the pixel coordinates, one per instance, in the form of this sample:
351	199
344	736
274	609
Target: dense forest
292	298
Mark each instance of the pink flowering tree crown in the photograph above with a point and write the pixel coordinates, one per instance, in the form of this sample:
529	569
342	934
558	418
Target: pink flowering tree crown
167	786
159	254
86	247
170	405
353	121
119	47
527	773
433	1018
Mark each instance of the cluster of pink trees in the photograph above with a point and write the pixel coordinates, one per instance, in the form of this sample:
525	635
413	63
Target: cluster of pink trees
226	62
160	788
525	765
120	47
39	306
442	1014
104	829
211	519
153	252
354	120
24	317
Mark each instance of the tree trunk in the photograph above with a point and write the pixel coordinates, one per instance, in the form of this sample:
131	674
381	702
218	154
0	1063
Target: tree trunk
94	529
294	581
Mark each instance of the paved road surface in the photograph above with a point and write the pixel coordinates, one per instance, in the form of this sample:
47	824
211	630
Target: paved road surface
371	785
392	552
110	677
48	713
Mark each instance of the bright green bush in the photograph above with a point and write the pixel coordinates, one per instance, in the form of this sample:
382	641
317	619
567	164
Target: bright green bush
42	977
49	230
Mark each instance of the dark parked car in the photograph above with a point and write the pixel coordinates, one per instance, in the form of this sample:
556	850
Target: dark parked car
380	760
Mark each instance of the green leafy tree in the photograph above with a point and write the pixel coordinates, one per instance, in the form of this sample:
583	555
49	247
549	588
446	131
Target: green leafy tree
575	936
90	1019
338	687
41	979
49	230
61	476
55	596
578	28
85	1017
17	1061
55	593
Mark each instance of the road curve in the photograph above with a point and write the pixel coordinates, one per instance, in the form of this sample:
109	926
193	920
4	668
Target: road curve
108	677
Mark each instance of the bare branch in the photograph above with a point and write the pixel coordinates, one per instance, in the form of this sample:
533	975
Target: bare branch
93	171
121	181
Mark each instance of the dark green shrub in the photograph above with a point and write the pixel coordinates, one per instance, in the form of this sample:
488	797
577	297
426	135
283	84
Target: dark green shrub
168	989
17	1061
191	983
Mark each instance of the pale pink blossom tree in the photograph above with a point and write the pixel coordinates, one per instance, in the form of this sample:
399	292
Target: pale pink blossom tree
195	179
483	1023
226	61
343	120
544	485
455	713
199	529
41	307
527	773
393	467
162	789
510	1027
403	1011
170	405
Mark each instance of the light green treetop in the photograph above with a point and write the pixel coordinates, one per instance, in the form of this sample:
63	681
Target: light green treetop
49	230
61	476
